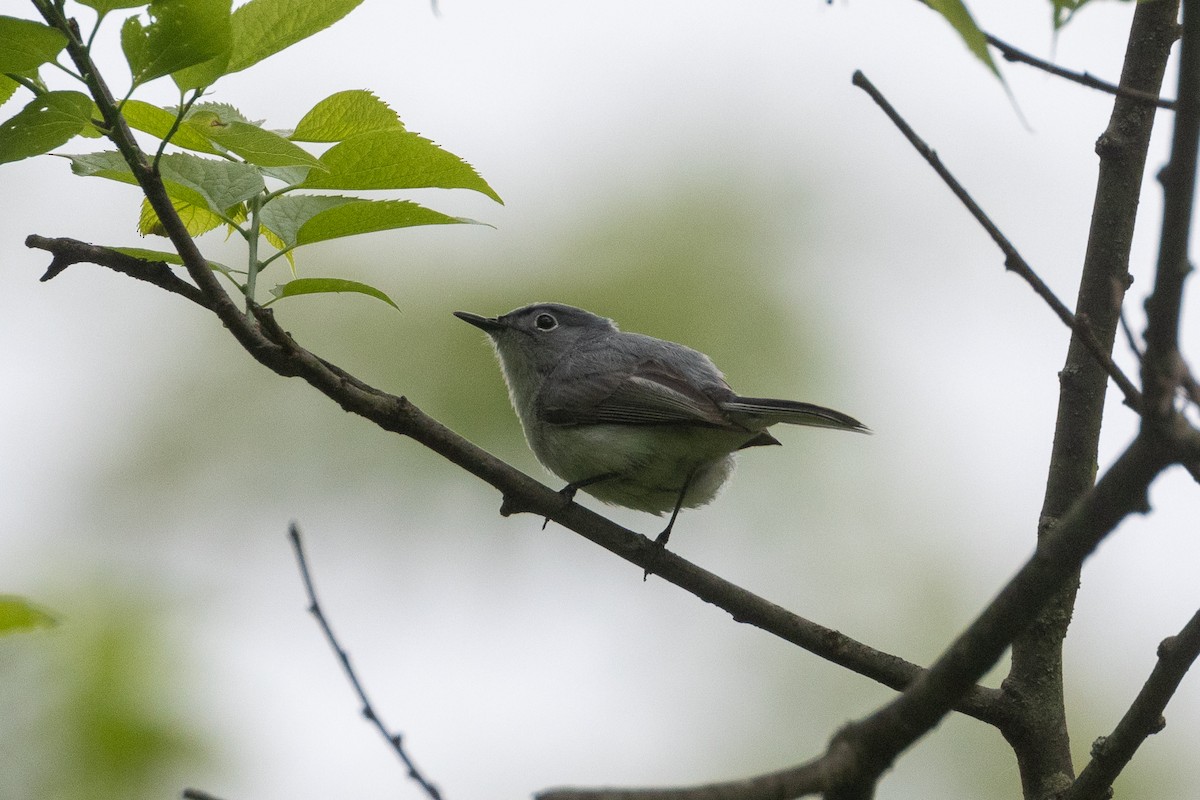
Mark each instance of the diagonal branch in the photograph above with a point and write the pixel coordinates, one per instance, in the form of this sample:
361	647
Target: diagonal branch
274	348
1144	718
1011	53
1012	258
368	710
863	750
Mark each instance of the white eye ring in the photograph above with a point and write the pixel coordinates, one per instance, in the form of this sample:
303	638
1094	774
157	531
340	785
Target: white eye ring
545	322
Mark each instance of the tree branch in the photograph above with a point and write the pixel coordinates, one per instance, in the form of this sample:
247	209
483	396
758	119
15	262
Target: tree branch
72	251
1013	260
806	779
1011	53
1144	718
1163	369
863	750
275	349
1038	728
314	606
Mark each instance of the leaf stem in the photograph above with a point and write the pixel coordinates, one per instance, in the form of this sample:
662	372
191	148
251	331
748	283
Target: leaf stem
32	86
184	107
255	204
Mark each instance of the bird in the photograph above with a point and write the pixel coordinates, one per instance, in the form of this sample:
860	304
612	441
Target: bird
631	420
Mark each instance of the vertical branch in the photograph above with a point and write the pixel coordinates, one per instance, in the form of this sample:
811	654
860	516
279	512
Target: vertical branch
1038	729
1163	370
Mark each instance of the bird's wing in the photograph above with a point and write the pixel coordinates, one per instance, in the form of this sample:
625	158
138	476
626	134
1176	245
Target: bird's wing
648	392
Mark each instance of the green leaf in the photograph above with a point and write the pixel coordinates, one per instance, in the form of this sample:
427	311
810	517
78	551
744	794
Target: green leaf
956	13
18	614
197	219
304	219
223	184
8	87
217	185
52	119
225	111
394	160
256	145
25	44
367	216
182	33
158	121
166	256
262	28
110	165
346	114
287	213
327	285
1064	10
105	6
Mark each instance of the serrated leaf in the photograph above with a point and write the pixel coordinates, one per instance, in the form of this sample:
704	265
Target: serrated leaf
18	614
287	213
218	185
105	6
367	216
110	165
158	121
328	285
256	145
223	184
956	13
394	160
197	219
262	28
225	111
25	44
181	33
346	114
46	122
8	87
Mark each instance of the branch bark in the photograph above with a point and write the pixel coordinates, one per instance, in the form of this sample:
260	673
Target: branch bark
1037	729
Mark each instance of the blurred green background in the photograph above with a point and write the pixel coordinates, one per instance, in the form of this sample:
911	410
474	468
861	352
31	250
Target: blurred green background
699	172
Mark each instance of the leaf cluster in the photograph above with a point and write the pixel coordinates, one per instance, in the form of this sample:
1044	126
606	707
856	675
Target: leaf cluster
223	168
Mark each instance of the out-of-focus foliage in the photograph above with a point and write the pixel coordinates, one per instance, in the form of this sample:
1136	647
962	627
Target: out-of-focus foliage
95	709
18	614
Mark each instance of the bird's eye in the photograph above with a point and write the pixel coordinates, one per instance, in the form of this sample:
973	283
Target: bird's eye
545	322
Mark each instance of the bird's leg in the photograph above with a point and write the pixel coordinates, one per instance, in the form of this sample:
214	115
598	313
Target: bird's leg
568	491
660	541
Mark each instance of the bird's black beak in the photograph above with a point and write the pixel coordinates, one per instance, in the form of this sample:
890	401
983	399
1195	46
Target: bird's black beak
486	324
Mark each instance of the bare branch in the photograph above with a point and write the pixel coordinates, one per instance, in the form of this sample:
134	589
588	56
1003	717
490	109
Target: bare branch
1144	718
368	710
1011	53
72	251
1163	369
1013	259
807	779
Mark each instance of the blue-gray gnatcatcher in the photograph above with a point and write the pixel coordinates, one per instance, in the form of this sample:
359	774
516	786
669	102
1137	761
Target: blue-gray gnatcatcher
630	419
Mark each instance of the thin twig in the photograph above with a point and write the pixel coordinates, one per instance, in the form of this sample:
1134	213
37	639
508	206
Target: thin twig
368	711
198	794
1011	53
1144	718
1012	258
